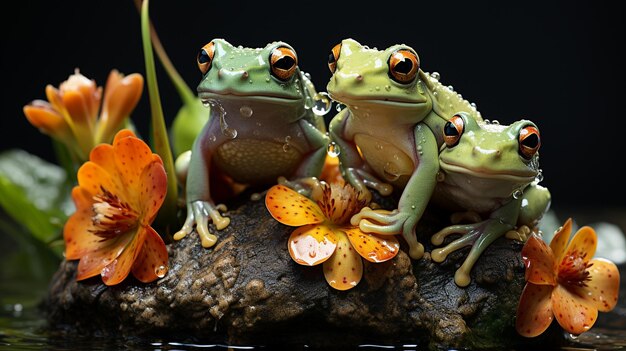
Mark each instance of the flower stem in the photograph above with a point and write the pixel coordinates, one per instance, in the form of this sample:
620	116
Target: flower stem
167	214
186	95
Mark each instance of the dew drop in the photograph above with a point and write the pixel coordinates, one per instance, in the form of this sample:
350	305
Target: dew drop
379	146
212	138
387	87
286	147
321	104
246	111
160	271
473	105
333	149
517	193
340	107
206	103
435	75
495	121
391	172
267	80
440	176
450	87
539	176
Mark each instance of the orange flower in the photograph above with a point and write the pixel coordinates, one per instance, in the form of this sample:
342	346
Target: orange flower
71	113
325	234
120	190
564	282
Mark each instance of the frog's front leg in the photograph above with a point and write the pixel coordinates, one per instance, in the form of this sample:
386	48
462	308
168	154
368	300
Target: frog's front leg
478	235
413	200
353	169
200	205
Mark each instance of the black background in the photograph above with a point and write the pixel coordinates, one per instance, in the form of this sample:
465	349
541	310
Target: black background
556	63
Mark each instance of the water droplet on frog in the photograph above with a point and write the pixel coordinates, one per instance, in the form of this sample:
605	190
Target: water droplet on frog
250	81
450	87
391	172
412	207
340	107
333	149
206	103
286	147
259	124
267	80
212	138
308	102
379	146
387	87
419	147
160	271
322	104
460	96
435	75
377	88
495	121
307	75
487	121
435	93
440	176
228	132
517	193
539	176
287	138
473	105
246	111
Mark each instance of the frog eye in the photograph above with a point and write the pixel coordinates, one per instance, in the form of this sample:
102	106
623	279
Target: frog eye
403	66
529	141
452	130
205	57
283	61
333	57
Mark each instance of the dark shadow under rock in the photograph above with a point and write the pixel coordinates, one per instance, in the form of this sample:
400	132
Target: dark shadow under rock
247	290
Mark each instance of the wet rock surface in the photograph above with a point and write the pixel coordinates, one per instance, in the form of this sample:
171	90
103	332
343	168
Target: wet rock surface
247	290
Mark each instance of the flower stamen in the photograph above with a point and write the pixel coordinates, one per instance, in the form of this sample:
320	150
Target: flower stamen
573	270
112	216
340	202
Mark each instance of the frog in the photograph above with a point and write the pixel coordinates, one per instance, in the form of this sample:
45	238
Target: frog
487	170
388	135
261	128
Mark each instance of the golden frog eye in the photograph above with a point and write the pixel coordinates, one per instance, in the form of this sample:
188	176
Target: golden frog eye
529	141
452	130
283	61
205	57
403	66
333	57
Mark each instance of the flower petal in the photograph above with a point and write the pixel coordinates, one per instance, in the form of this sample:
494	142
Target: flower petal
153	189
574	314
92	177
290	208
539	261
312	244
94	262
534	311
118	270
132	155
79	109
78	240
43	117
583	245
560	239
372	247
603	287
120	98
344	269
151	263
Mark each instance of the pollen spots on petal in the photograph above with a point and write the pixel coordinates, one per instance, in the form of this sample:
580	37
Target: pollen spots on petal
284	204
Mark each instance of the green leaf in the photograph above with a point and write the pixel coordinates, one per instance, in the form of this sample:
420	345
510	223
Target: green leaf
35	193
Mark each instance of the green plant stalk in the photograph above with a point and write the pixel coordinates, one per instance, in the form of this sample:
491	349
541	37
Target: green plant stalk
167	213
186	95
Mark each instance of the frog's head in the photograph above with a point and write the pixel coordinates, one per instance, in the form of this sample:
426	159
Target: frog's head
489	159
365	76
268	75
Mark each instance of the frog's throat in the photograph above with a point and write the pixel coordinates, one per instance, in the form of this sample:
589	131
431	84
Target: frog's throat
207	96
521	177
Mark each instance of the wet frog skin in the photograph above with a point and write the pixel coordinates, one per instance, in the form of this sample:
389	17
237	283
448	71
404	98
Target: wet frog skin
389	135
261	126
491	171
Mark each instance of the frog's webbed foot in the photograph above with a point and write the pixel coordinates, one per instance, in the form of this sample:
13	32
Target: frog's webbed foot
361	180
478	235
198	214
394	222
520	234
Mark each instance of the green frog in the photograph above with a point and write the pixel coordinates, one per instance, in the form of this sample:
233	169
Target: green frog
263	126
491	171
389	135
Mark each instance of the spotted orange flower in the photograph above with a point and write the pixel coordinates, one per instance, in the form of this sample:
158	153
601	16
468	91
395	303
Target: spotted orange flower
119	192
324	234
73	114
563	281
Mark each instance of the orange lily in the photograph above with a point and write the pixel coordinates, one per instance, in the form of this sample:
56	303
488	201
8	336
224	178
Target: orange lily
119	192
325	234
71	113
563	281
